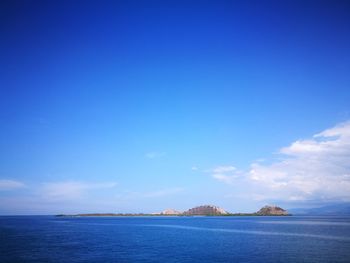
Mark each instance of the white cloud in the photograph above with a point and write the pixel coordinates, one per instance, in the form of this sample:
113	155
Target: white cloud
317	168
10	184
70	190
153	155
194	168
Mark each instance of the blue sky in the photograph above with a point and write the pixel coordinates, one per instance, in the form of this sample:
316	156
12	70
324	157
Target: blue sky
138	106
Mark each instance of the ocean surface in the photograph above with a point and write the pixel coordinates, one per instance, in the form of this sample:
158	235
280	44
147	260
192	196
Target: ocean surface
174	239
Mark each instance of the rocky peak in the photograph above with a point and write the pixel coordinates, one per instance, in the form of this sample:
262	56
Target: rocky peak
272	210
206	210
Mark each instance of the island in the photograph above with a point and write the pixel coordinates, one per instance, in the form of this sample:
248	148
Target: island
203	210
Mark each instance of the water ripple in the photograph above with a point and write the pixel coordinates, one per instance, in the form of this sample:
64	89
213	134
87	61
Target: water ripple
306	223
252	232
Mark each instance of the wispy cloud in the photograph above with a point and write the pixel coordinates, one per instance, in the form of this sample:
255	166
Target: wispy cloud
317	168
226	174
154	155
224	169
69	190
137	195
10	184
164	192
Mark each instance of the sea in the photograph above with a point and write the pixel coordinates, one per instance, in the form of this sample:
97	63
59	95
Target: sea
174	239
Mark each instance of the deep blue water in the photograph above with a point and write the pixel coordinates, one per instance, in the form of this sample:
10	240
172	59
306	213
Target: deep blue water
174	239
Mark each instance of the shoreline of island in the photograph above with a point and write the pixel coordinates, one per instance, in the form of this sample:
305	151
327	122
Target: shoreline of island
204	210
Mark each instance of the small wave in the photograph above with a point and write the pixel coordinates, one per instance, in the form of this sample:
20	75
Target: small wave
60	221
306	223
252	232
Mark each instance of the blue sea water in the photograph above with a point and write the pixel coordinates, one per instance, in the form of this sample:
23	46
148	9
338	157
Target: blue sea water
174	239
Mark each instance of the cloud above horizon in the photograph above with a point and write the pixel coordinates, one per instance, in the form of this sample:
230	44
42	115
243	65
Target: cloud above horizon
227	174
70	190
317	168
163	192
6	184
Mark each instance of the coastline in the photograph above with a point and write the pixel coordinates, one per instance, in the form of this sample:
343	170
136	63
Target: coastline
161	215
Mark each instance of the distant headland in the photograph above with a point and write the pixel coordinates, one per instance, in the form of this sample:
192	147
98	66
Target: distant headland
203	210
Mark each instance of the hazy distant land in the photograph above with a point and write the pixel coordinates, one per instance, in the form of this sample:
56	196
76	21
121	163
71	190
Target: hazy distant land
204	210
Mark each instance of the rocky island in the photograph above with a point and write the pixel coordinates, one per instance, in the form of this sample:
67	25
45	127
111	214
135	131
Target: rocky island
272	211
208	210
203	210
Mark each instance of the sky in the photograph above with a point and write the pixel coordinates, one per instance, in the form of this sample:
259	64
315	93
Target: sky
139	106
